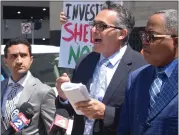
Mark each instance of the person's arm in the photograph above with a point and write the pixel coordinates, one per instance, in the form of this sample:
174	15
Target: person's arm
61	103
48	109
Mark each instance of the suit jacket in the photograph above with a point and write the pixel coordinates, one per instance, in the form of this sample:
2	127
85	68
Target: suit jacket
136	119
42	98
114	95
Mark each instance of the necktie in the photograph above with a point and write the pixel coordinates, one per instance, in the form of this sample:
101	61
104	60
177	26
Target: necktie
100	83
10	103
156	88
97	90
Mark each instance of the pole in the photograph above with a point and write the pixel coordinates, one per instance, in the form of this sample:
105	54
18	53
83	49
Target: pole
32	32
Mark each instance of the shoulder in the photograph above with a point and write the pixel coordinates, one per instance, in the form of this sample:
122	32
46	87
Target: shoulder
137	76
5	81
42	88
141	73
137	55
135	58
4	84
140	70
88	58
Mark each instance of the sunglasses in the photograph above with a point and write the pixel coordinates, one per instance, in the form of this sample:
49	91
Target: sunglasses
149	38
102	26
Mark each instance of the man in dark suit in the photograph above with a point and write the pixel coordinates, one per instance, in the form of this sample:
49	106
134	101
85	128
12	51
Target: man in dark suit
151	100
106	84
22	87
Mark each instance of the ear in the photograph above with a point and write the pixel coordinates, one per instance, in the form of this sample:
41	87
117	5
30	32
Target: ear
5	60
122	34
31	59
175	42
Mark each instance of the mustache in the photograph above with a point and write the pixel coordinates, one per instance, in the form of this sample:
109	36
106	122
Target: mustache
17	65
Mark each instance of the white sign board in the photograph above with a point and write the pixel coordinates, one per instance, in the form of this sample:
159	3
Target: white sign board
76	35
26	28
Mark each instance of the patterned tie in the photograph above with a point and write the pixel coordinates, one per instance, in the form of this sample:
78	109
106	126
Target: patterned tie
100	83
156	88
10	103
97	90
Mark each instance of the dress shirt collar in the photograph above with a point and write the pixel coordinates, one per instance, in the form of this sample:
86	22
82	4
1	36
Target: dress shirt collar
168	69
113	59
22	81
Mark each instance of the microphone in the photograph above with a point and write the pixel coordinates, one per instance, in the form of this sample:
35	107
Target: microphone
20	118
61	122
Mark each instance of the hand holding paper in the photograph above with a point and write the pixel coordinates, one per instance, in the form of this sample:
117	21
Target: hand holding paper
93	109
62	79
75	92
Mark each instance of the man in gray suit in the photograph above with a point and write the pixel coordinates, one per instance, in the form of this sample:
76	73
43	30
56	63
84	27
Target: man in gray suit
23	87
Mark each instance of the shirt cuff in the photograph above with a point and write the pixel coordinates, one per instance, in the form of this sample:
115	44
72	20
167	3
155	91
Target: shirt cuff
62	101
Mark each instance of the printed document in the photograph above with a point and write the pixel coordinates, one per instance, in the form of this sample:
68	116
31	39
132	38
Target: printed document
75	92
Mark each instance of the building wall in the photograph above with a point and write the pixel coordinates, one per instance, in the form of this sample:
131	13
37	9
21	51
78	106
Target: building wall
142	10
11	28
26	3
55	28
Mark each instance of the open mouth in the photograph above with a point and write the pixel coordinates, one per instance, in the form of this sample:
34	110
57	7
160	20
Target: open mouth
97	40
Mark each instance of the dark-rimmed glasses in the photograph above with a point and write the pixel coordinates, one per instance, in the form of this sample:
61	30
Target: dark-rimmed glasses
102	26
149	38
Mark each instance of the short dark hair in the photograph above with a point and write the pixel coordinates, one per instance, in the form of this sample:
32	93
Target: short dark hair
171	20
125	19
16	41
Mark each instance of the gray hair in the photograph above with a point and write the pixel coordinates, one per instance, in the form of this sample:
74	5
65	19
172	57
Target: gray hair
171	20
125	19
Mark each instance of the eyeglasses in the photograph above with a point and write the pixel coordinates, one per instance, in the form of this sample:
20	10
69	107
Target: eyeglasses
149	38
102	26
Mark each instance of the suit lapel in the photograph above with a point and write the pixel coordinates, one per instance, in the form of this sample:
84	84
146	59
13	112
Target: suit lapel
27	91
170	90
122	70
145	84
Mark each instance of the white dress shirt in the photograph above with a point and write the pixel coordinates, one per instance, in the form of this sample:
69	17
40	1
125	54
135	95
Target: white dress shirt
114	62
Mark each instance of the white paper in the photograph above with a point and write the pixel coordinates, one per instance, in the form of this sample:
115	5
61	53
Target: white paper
75	92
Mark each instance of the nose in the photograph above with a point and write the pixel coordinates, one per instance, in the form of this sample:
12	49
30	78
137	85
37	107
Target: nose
19	60
144	40
145	43
93	28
